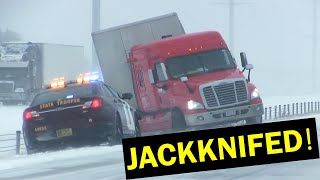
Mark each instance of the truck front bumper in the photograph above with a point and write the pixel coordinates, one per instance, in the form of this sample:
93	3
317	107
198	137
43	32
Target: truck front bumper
225	116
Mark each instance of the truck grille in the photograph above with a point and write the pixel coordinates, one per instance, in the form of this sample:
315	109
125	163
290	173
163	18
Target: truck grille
233	93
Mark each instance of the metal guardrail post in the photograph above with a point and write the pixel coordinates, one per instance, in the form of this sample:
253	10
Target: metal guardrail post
270	111
265	113
305	107
308	107
292	108
18	136
301	108
279	111
275	112
288	109
284	110
297	108
312	107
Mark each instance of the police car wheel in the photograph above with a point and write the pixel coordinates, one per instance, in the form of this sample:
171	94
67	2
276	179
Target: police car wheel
254	120
31	148
137	128
118	135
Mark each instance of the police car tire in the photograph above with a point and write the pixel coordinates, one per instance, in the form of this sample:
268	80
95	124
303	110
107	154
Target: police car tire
178	121
117	137
137	127
254	120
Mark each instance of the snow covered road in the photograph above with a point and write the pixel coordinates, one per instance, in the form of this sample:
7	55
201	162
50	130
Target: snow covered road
107	162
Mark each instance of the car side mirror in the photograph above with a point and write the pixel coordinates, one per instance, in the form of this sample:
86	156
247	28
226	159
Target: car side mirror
127	96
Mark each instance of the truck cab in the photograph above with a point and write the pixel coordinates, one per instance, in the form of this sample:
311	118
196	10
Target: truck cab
179	80
192	80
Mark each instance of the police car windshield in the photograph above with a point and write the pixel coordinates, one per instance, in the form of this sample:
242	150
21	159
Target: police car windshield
65	93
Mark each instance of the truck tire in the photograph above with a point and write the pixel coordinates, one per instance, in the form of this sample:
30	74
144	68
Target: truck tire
178	121
254	120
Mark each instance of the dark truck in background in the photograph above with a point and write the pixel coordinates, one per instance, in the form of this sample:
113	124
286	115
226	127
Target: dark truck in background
26	67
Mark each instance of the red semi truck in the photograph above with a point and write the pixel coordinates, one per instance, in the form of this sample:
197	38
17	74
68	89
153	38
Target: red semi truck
178	80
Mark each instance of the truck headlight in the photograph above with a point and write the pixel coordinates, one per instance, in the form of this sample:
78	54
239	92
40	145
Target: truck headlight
194	105
255	94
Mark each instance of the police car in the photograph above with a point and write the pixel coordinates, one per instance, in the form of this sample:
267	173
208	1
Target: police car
83	109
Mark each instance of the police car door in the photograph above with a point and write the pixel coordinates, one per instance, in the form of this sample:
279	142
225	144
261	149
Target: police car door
126	115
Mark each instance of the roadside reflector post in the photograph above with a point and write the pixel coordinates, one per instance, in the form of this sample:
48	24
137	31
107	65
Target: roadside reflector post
279	111
292	108
270	111
265	113
18	136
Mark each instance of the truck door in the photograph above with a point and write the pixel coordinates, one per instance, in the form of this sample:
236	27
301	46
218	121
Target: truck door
165	95
146	93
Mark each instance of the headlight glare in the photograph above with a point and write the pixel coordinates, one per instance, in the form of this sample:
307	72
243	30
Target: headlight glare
255	94
194	105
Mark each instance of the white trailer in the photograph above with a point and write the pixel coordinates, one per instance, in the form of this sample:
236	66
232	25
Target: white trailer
113	46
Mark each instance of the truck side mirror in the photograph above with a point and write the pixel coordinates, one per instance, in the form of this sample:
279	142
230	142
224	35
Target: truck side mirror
161	72
151	76
249	67
127	96
244	60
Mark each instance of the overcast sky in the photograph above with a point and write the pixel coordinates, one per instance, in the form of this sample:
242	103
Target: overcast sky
276	35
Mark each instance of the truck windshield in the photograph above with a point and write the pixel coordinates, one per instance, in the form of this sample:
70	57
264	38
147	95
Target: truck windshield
199	63
64	93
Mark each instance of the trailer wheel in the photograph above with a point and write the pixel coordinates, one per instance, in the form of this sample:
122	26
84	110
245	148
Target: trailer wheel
254	120
178	121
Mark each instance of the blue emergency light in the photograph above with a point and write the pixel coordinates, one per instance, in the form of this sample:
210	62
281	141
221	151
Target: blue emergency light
70	96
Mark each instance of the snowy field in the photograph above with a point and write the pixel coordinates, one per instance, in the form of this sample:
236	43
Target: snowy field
107	162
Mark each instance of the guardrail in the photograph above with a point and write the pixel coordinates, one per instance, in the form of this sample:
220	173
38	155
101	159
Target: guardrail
13	142
291	110
270	113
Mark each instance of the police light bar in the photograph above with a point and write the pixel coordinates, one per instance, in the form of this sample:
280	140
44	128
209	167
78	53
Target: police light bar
88	77
57	82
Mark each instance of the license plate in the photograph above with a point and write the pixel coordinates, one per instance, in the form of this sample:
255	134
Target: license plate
231	113
64	132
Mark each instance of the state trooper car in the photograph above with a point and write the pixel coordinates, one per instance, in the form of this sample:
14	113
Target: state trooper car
83	109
